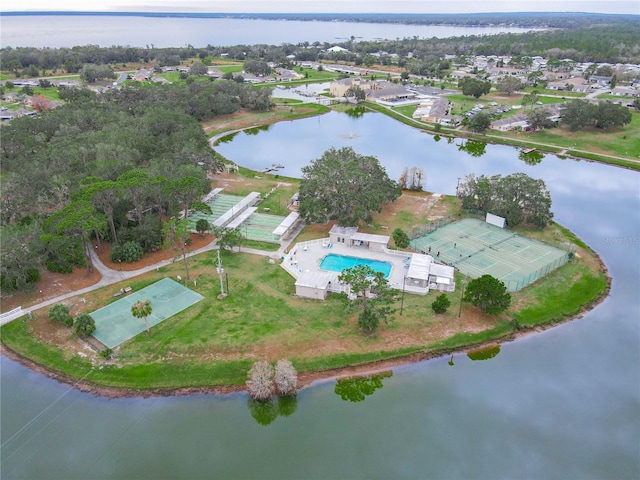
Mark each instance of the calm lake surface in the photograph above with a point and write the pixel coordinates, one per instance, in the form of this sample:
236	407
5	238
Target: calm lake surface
55	31
563	403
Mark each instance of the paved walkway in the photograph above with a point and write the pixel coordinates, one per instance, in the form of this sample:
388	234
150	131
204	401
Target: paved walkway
110	276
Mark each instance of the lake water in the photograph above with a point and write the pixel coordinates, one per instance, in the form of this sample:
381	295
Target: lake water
55	31
563	403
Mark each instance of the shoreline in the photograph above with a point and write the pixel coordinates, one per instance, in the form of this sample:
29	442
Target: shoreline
305	379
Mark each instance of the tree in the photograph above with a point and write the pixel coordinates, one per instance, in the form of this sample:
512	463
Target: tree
84	325
257	67
400	238
509	85
517	197
176	233
474	88
260	382
578	114
203	226
41	103
357	93
479	122
441	303
198	69
142	309
403	181
228	237
538	119
103	196
489	294
59	313
530	99
20	256
344	186
371	292
416	175
79	219
610	115
286	378
128	252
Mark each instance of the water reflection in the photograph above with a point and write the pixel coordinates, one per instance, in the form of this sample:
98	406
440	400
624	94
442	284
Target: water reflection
264	412
357	389
531	157
473	148
484	353
356	112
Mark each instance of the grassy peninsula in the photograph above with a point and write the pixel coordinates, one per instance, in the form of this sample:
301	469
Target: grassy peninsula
211	345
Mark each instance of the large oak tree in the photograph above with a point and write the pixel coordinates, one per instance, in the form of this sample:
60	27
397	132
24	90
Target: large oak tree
344	186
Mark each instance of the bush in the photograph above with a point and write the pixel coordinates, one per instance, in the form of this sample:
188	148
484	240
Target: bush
260	383
441	303
148	235
59	313
9	284
202	226
62	253
106	353
84	325
127	252
286	378
489	294
400	238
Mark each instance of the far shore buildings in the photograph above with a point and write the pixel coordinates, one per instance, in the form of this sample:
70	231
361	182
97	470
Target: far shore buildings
380	91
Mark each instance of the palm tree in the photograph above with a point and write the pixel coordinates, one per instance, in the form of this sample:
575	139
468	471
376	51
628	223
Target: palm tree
142	309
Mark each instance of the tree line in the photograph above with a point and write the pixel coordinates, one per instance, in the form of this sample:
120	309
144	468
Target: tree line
106	167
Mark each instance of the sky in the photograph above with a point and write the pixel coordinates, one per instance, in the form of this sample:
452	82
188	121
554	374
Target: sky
330	6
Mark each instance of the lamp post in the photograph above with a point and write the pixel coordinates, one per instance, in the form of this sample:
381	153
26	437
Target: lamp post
464	282
404	279
220	271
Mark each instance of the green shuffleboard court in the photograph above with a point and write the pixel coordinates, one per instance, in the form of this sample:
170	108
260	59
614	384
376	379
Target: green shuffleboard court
115	324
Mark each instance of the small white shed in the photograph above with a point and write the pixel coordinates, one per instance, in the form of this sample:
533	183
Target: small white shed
314	284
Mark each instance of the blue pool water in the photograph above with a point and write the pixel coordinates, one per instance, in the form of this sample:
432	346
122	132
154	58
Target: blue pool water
337	263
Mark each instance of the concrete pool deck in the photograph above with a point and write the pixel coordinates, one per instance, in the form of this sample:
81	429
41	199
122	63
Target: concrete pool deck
306	256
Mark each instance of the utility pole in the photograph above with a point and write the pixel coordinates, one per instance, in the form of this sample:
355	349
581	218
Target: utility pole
220	271
402	300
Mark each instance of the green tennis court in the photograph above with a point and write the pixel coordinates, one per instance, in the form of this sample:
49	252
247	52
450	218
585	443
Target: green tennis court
115	324
478	248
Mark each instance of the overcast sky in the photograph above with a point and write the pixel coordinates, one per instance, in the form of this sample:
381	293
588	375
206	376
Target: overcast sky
331	6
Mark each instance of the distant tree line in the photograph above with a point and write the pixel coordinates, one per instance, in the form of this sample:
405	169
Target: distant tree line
613	39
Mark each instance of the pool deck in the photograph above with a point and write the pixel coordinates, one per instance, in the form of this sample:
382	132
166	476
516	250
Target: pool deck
306	256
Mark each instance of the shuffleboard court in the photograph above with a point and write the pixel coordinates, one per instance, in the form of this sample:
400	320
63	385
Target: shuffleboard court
477	248
115	324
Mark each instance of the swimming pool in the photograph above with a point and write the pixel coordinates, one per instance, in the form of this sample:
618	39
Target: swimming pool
337	263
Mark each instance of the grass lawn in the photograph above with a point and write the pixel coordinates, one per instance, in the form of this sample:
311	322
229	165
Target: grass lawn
623	142
245	119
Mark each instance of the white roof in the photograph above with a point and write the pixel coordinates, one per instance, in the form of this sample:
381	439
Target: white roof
286	223
371	238
419	266
444	271
314	279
